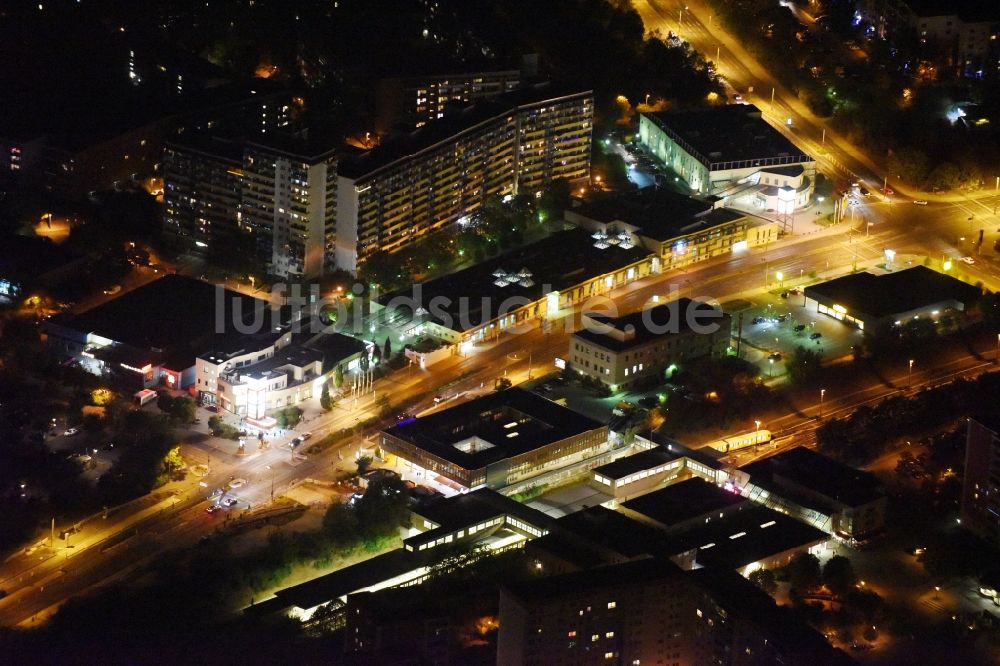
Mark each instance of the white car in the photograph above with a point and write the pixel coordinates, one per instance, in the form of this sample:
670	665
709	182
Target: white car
920	202
71	431
968	260
236	483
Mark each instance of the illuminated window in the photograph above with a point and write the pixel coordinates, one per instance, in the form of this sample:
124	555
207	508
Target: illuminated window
612	604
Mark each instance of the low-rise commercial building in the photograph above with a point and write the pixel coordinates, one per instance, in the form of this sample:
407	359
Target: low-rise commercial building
867	301
471	517
619	351
520	288
443	173
496	440
817	490
153	334
677	229
252	375
722	147
723	529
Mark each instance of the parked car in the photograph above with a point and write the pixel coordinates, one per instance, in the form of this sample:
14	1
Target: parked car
864	192
295	442
775	356
229	501
816	336
306	436
236	483
920	202
211	508
968	260
800	328
69	432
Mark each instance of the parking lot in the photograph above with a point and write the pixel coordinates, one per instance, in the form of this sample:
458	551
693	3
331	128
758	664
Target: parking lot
773	327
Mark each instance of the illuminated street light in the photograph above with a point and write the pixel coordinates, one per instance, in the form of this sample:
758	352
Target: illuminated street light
822	394
909	374
781	278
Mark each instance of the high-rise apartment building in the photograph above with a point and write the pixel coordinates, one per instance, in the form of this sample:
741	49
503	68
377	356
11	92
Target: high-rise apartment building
981	487
444	172
282	190
289	201
202	189
416	100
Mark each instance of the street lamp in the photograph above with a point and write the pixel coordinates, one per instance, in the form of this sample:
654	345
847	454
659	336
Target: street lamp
822	394
781	278
272	482
770	371
909	374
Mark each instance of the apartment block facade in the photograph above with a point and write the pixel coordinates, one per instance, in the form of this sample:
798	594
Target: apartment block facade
203	182
417	100
290	202
443	173
281	191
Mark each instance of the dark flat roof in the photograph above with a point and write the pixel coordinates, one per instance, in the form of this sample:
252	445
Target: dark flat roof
617	532
173	310
683	501
636	463
217	147
637	573
560	261
539	422
729	133
791	170
968	10
747	536
451	125
350	579
893	293
470	508
818	474
335	347
671	318
31	257
659	213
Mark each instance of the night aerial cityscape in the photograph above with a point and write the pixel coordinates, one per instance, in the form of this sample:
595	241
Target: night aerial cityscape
467	332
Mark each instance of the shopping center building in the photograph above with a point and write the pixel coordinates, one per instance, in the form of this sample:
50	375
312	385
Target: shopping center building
729	150
496	441
866	300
